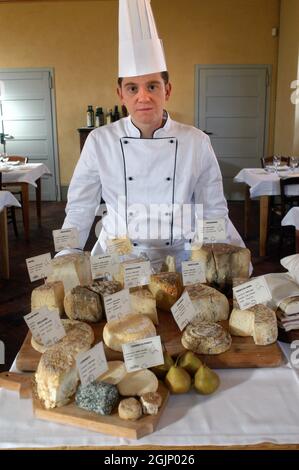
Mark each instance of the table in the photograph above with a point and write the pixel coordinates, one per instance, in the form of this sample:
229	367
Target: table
6	200
262	184
251	407
292	218
23	175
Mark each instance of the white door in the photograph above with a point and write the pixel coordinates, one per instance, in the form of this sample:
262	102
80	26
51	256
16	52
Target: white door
231	109
26	116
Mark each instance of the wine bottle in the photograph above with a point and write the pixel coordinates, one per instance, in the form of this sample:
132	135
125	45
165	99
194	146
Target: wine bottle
90	116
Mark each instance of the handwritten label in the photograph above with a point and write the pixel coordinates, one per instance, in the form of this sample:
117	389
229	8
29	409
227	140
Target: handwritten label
252	293
104	265
117	305
137	274
91	364
213	230
193	272
120	246
143	354
65	238
183	311
45	325
39	267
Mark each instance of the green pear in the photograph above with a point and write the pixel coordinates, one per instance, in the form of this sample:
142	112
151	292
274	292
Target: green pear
161	370
190	362
206	381
178	380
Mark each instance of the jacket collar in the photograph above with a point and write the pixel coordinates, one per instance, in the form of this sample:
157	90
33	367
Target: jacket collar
133	131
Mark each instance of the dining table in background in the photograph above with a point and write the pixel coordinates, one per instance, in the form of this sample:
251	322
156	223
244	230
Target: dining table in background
262	184
24	175
292	218
6	200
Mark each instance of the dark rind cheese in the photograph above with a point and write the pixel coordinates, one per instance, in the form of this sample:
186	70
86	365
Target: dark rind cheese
99	397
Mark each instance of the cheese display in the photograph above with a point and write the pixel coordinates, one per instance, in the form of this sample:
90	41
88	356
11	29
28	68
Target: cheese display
258	321
99	397
79	337
151	403
56	377
143	301
206	338
80	303
73	270
138	383
209	304
166	288
115	373
130	409
222	262
120	275
50	295
127	329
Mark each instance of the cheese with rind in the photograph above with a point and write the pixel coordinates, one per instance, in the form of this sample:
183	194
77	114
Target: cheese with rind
205	337
143	301
209	304
166	288
72	269
259	322
50	295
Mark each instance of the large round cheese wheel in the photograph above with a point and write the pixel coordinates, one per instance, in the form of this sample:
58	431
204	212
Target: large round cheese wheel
206	338
127	329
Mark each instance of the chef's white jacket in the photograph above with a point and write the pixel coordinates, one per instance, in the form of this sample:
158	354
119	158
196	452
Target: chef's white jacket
178	166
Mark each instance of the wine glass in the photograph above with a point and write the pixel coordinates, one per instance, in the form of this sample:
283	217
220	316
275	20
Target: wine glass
276	162
294	163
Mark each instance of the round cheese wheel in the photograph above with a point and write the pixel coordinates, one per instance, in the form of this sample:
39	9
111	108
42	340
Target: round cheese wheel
127	329
206	338
138	383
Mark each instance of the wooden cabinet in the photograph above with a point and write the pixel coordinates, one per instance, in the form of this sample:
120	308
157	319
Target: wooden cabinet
83	132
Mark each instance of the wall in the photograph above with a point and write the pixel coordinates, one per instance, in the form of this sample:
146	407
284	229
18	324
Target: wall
287	113
79	40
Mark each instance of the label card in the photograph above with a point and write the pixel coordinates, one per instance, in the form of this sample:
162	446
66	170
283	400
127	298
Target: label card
104	265
121	246
39	267
137	274
143	354
213	231
193	272
117	305
45	325
65	238
91	364
253	292
183	311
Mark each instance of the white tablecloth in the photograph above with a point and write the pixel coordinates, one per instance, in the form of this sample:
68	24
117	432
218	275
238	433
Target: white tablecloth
27	173
292	218
7	199
252	406
263	183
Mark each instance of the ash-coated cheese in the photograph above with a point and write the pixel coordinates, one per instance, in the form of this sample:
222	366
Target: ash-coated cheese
209	304
73	270
83	304
166	288
99	397
127	329
50	295
206	338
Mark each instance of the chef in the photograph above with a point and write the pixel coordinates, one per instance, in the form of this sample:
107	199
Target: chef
153	173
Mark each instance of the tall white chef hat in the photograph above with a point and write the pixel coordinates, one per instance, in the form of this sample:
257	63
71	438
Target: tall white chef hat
140	49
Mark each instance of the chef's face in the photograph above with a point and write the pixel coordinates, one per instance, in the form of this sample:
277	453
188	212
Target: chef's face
144	98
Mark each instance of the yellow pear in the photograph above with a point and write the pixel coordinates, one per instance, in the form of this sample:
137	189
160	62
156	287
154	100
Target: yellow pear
206	381
190	362
178	380
161	370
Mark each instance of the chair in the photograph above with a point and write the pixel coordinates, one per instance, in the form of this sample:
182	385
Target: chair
16	191
269	160
287	202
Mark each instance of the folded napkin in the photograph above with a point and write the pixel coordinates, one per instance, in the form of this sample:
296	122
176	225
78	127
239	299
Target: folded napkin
291	263
284	291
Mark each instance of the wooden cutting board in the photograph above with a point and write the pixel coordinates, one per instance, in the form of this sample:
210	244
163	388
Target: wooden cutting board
242	354
72	415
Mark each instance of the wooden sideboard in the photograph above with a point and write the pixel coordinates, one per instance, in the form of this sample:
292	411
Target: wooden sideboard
83	132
